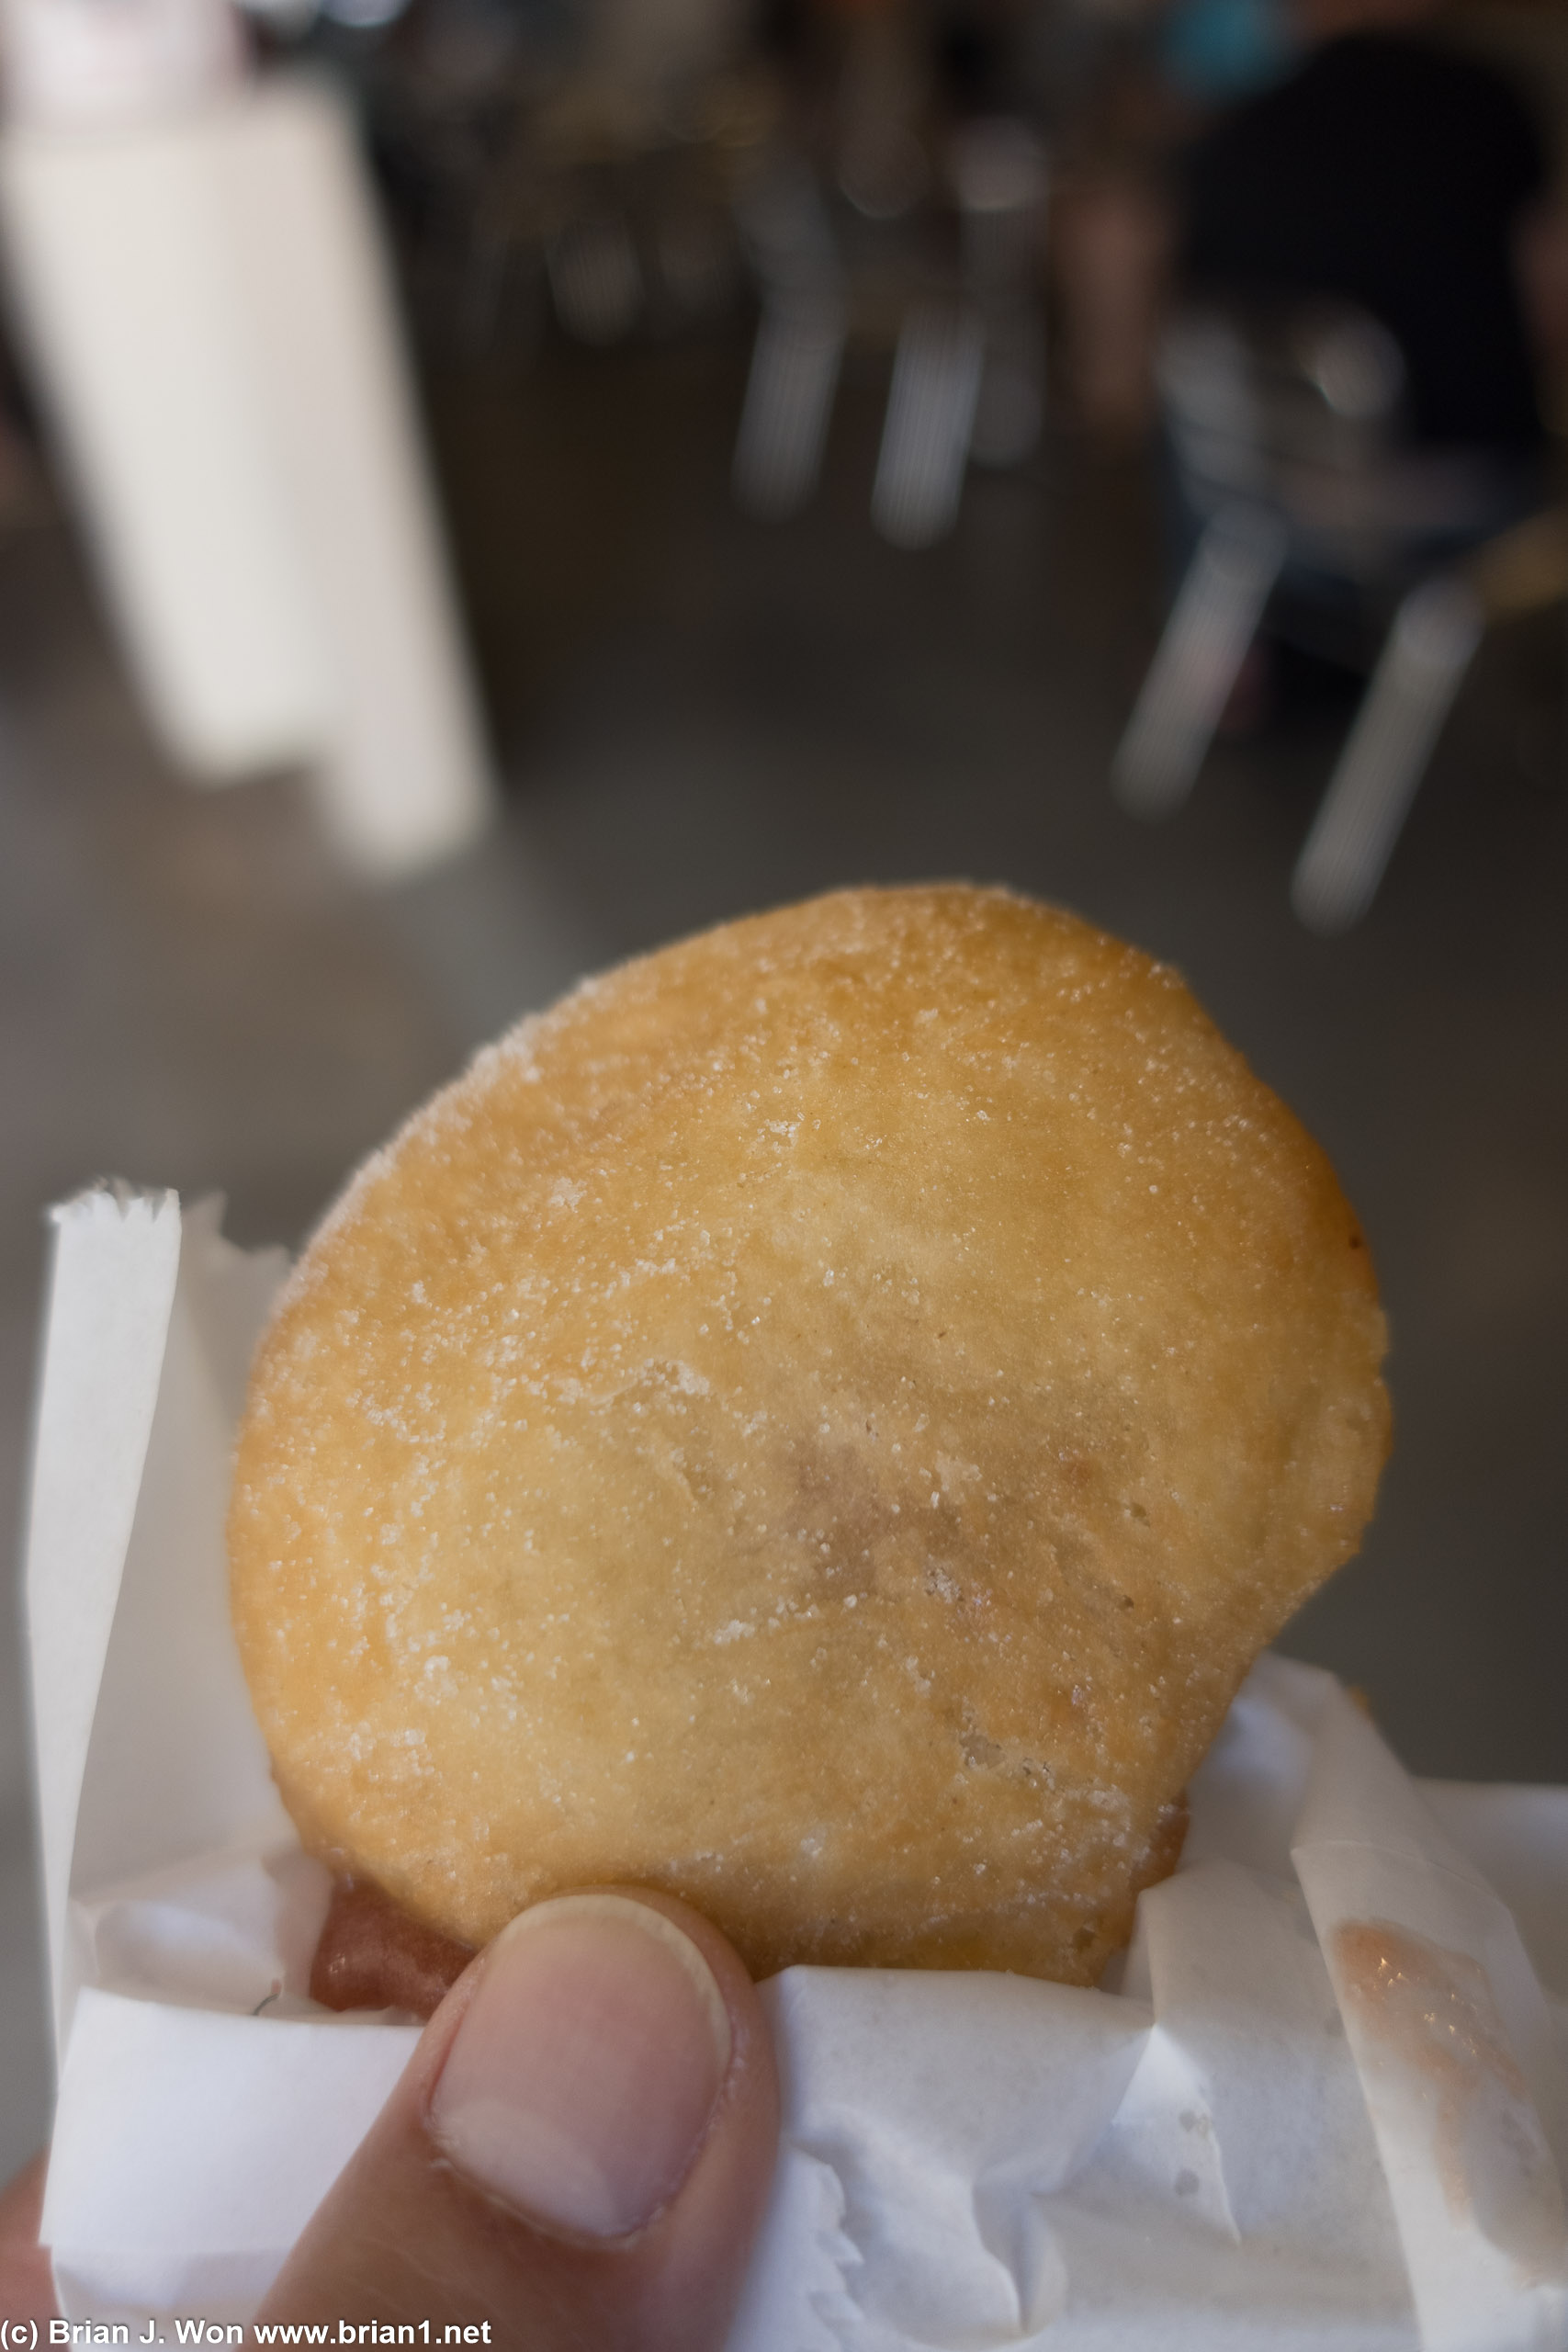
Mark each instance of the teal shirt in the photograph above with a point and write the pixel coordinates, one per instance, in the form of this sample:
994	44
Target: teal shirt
1227	48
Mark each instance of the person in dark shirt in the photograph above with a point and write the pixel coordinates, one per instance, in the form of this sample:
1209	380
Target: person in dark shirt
1396	175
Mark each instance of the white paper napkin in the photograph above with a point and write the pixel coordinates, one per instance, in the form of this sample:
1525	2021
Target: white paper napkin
1324	2107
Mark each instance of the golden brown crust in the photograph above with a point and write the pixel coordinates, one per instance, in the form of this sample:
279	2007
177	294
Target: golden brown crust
819	1422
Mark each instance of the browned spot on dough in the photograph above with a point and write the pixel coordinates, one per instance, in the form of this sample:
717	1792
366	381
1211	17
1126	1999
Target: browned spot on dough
373	1956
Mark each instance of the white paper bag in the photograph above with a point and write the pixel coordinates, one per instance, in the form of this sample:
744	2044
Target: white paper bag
1324	2107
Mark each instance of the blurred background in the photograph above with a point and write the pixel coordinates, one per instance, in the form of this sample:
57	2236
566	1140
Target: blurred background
488	485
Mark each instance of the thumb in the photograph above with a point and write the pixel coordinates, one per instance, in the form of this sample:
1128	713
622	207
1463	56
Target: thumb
578	2153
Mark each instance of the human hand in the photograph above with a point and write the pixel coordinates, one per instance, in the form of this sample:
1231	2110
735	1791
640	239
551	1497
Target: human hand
27	2289
578	2153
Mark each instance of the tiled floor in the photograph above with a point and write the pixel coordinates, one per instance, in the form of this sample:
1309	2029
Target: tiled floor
699	716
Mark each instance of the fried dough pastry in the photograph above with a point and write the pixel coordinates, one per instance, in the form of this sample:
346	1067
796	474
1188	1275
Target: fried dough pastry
821	1422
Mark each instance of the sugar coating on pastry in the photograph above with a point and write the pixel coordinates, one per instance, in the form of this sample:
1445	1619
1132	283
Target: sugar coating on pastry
821	1421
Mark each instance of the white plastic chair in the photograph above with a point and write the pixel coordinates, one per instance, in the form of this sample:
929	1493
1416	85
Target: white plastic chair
1286	442
969	362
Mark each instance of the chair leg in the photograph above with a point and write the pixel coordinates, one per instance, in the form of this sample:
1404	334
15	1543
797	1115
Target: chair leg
1429	648
789	400
1212	623
930	413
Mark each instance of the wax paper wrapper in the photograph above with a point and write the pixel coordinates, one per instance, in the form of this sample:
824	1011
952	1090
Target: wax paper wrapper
1324	2105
